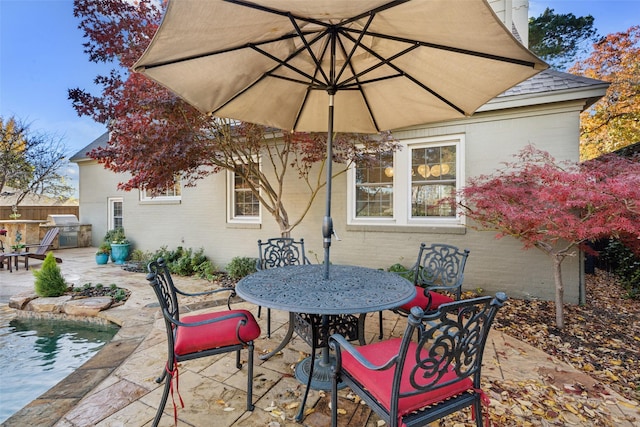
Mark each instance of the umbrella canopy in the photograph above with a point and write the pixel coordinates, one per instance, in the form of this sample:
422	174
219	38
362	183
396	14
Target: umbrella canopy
390	63
385	64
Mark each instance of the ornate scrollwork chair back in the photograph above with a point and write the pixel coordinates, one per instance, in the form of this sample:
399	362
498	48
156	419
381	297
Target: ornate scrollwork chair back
438	275
199	335
413	383
279	252
441	267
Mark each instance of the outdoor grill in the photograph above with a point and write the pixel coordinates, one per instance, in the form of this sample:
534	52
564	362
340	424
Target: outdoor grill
69	229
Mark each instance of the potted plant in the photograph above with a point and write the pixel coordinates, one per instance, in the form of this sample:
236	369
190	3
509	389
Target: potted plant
103	252
120	246
17	246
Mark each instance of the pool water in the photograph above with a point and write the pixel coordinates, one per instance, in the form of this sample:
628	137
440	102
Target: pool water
37	354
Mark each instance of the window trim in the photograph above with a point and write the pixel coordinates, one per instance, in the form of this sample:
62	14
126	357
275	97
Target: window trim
402	186
231	218
110	214
163	199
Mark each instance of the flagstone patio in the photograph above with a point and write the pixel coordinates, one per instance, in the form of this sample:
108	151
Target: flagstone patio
117	386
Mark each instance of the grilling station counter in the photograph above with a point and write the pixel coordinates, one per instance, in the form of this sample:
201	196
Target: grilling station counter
72	233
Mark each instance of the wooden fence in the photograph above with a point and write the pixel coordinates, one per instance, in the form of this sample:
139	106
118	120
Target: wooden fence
38	212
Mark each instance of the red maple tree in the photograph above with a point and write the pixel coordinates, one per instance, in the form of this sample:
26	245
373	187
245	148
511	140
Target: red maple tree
557	207
155	136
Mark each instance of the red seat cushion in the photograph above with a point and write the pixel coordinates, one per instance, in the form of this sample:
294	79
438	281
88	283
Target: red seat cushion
378	383
422	301
191	339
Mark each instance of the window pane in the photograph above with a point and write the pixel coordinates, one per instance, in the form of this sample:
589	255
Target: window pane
117	209
433	178
170	192
374	187
245	202
116	213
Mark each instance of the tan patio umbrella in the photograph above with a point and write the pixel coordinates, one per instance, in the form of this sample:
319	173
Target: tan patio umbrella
336	65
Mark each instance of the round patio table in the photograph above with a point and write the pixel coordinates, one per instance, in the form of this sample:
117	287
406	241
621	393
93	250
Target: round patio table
304	289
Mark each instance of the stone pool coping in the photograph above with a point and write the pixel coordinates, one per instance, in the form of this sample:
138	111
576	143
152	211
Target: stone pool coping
135	324
136	318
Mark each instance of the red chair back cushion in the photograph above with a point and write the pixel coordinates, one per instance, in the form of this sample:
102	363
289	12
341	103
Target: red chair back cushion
378	383
421	300
192	339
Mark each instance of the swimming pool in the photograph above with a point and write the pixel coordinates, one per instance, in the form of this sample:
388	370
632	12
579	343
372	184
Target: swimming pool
36	354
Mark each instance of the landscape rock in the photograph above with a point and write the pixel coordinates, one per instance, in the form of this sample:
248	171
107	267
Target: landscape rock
87	306
48	304
20	301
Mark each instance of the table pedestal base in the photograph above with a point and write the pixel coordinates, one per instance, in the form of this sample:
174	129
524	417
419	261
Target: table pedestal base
321	379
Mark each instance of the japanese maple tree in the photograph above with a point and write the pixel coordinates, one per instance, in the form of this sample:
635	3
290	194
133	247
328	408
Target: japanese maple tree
557	207
614	121
155	136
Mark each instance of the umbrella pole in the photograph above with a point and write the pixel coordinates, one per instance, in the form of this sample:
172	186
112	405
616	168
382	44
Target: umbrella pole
327	223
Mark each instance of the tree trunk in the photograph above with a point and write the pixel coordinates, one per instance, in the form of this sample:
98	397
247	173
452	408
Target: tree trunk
557	275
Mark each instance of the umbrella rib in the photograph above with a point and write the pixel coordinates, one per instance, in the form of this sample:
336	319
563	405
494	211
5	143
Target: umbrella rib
358	83
448	48
356	44
217	52
387	61
320	86
310	84
306	96
285	63
382	62
308	46
380	8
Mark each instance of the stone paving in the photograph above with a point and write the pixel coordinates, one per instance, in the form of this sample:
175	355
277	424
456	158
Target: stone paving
117	388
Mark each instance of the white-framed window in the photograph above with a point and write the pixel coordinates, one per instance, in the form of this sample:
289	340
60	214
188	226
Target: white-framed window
243	204
169	194
115	214
406	187
374	188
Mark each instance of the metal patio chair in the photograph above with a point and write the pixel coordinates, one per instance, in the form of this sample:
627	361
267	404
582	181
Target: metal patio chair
437	275
279	252
413	383
285	251
199	335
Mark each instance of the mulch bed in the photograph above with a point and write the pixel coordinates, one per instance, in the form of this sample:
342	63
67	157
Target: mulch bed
118	295
600	338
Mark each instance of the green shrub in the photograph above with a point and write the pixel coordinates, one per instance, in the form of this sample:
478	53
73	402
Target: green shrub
49	281
183	262
182	265
119	295
206	270
626	266
138	255
402	271
240	267
201	266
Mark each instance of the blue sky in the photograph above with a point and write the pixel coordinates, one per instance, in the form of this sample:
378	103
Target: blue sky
41	57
